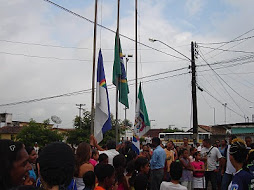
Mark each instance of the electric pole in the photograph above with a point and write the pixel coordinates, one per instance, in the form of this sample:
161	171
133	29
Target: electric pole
194	94
80	108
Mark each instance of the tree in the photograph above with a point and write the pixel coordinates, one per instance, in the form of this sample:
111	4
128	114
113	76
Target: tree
170	130
38	132
82	133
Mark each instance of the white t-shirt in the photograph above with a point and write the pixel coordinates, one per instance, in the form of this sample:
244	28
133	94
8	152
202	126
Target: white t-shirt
230	168
199	148
111	154
171	186
212	157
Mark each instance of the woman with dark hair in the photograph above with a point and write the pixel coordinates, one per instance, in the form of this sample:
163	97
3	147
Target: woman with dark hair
32	160
119	163
238	154
13	164
82	165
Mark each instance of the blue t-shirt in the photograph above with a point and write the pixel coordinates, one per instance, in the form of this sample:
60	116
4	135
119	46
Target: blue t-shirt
242	180
158	158
251	168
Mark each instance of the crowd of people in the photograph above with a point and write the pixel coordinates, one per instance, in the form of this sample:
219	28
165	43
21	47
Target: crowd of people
226	165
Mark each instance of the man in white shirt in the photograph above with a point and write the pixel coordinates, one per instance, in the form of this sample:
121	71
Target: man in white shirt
228	175
176	171
210	155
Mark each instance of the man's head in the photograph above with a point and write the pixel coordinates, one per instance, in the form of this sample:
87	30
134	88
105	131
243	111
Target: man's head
176	170
185	141
248	141
105	174
111	145
217	142
156	141
206	143
232	137
103	158
223	142
56	165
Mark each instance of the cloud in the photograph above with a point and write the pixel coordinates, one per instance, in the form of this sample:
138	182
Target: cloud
194	7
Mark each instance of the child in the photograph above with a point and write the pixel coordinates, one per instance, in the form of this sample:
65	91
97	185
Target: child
103	158
94	157
176	171
89	180
105	174
192	152
198	168
141	168
187	176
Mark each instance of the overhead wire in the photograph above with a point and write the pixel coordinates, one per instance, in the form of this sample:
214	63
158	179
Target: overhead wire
226	42
106	28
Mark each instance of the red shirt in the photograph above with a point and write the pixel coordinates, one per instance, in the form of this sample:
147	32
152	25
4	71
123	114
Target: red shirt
198	165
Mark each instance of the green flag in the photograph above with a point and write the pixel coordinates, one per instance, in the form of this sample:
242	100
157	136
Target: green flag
119	74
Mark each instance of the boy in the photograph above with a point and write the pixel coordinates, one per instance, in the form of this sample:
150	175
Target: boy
176	171
105	174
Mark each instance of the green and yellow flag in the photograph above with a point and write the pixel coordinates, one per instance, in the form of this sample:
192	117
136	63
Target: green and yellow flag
119	74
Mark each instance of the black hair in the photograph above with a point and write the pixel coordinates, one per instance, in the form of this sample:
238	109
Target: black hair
141	182
94	152
89	179
102	171
9	151
111	144
232	137
225	140
156	140
130	168
56	163
119	162
102	157
251	157
139	163
192	148
26	187
207	140
239	152
248	137
29	149
195	154
176	170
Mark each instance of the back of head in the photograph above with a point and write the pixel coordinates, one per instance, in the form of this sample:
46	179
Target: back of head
82	156
103	171
89	179
9	153
102	158
111	145
176	170
119	161
156	141
29	149
141	182
208	141
238	150
140	162
56	163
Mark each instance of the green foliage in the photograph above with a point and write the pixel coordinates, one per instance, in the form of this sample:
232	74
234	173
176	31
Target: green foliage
170	130
81	133
37	132
142	139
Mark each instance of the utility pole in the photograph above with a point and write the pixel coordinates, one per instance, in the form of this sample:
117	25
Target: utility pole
194	94
80	108
136	51
225	111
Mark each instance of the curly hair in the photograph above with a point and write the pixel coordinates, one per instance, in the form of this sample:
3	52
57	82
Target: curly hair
56	163
82	156
9	151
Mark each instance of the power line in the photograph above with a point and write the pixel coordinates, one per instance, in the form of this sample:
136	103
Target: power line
106	28
111	86
237	51
216	43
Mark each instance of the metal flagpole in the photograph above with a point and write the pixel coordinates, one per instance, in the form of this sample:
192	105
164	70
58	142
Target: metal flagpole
93	74
118	16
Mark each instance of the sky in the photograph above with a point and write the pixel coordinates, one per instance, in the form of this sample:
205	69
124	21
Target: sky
45	51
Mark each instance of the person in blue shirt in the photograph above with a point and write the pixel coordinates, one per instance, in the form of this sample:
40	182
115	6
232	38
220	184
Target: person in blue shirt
242	179
157	164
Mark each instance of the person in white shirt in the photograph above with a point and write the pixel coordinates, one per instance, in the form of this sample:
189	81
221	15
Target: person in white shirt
210	155
110	149
176	171
230	170
36	148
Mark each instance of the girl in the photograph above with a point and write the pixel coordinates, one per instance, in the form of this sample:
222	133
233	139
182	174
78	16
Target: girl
198	168
186	177
94	157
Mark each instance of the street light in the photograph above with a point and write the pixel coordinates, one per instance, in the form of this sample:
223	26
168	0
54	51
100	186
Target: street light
155	40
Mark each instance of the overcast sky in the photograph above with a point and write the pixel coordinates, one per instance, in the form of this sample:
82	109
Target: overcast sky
61	62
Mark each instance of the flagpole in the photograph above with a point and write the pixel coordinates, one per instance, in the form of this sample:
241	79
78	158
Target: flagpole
93	74
117	83
136	50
